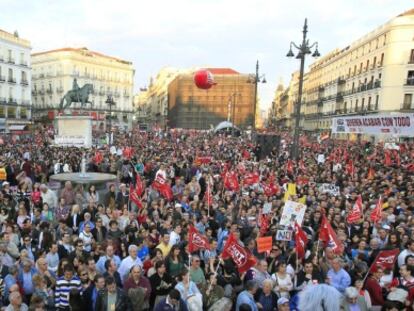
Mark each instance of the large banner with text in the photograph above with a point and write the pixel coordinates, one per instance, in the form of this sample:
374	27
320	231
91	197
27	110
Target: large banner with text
398	124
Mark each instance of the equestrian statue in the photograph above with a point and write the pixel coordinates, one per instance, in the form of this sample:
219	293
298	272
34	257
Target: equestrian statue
77	95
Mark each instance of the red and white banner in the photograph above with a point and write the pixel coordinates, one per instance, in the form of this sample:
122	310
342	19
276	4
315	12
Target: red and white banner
241	257
251	178
399	124
196	240
328	236
300	241
376	214
356	213
231	181
385	259
163	187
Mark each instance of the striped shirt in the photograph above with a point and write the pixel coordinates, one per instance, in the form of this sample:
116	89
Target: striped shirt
63	288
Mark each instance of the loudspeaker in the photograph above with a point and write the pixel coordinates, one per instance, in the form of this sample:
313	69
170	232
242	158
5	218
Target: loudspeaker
267	143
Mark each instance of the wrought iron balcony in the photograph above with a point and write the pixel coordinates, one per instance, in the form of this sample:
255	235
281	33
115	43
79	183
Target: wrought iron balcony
11	80
2	78
1	58
49	91
407	106
12	101
409	81
341	81
24	82
23	63
3	100
11	60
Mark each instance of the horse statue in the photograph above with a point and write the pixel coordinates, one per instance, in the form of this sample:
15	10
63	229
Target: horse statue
80	95
320	297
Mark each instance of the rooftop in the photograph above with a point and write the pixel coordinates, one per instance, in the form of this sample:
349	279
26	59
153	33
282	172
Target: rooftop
222	71
406	13
13	38
83	51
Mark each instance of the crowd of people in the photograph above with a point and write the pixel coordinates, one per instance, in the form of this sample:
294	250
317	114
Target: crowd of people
84	248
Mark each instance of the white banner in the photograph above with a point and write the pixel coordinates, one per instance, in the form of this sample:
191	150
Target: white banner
330	188
71	141
399	124
284	235
292	212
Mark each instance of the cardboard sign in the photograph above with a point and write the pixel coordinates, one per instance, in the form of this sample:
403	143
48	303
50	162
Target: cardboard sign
264	244
284	235
331	189
292	212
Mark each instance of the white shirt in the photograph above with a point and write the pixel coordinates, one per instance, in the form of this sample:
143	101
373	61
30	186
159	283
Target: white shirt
126	265
403	255
174	238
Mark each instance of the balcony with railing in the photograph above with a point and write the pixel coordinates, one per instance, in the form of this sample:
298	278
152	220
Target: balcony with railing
409	81
126	95
1	58
341	80
3	101
2	79
12	101
407	106
24	82
11	60
11	80
42	75
49	91
23	63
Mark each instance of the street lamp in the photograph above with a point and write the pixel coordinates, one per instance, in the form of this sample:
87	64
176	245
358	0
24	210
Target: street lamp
304	48
110	101
257	78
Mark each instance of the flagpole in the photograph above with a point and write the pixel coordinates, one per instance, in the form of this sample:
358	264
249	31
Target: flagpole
189	268
215	272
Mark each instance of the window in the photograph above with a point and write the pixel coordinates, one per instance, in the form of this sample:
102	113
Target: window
382	60
408	98
374	62
377	102
369	103
367	65
363	104
410	77
356	105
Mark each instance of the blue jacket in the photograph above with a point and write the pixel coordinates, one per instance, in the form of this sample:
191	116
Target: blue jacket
247	298
164	306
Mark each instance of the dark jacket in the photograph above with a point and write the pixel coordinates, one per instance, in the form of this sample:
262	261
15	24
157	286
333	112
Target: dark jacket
88	299
259	293
70	223
164	306
122	301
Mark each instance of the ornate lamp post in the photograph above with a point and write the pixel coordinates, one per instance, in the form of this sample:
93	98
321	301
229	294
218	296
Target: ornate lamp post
110	101
257	78
303	50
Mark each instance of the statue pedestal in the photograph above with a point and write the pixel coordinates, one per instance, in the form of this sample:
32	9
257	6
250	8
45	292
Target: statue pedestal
74	131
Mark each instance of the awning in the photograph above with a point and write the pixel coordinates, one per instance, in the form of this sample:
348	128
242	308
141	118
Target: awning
17	127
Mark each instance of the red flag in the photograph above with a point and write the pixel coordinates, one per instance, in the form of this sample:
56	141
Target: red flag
270	189
385	259
263	223
139	185
98	158
133	196
202	160
208	197
251	178
163	187
371	173
242	258
300	240
377	212
196	240
246	154
289	166
350	168
328	236
387	158
356	213
231	181
127	152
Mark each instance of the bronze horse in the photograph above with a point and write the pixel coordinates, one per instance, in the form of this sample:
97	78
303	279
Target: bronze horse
77	96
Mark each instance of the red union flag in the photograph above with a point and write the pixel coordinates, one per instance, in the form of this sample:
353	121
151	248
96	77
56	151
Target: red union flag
127	152
300	240
289	166
133	196
163	187
139	185
270	189
356	213
376	214
240	256
196	240
328	236
385	259
251	178
202	160
231	182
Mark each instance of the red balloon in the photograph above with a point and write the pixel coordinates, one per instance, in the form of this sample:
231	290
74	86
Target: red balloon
204	79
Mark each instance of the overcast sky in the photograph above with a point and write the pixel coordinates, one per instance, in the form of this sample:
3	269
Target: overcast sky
186	33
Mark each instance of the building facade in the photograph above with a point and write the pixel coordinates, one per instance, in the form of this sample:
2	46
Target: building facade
373	74
15	82
232	99
54	73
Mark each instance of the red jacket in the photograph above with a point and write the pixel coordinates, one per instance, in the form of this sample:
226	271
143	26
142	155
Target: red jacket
143	282
375	291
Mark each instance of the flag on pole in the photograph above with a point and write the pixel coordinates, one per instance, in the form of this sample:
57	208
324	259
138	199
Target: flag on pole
196	240
328	236
242	258
385	259
356	213
376	214
289	166
134	197
300	241
139	185
371	173
231	181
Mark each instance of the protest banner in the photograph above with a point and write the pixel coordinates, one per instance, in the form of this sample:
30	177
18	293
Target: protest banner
292	212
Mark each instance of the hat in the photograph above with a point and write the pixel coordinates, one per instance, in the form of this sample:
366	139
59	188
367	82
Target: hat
282	301
5	183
